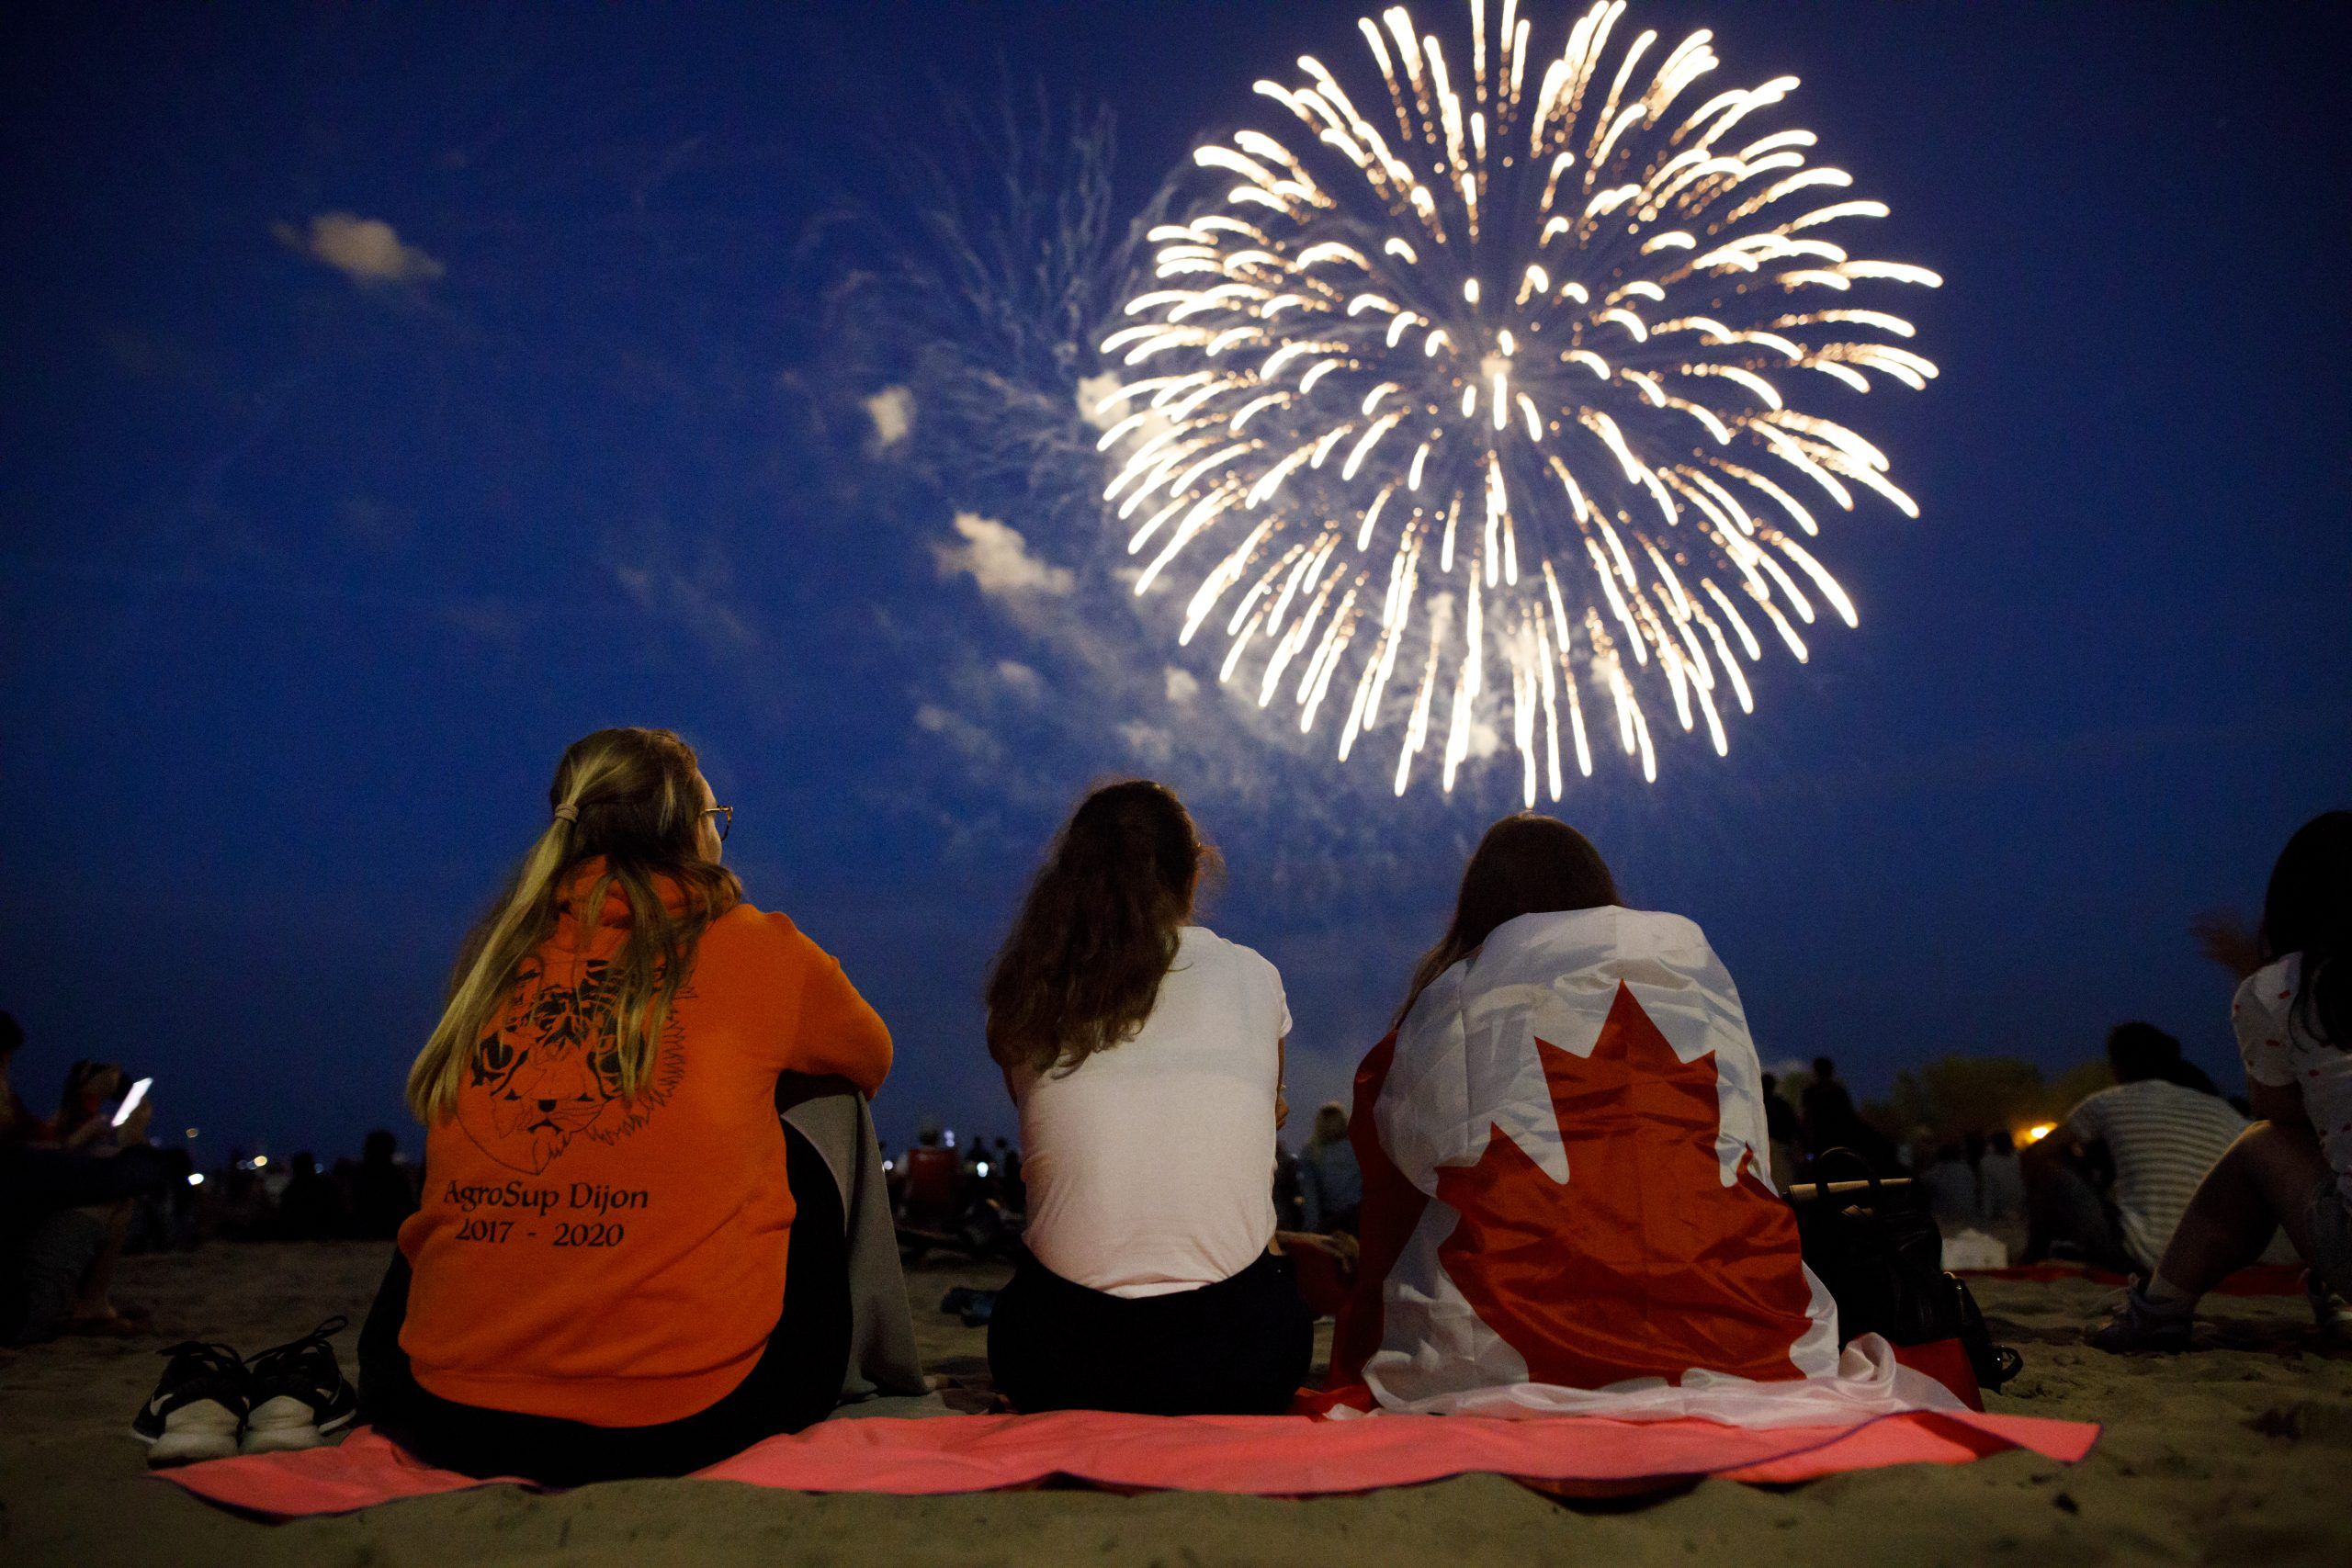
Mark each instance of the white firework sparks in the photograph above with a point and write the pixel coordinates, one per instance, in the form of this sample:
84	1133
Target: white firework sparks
1481	395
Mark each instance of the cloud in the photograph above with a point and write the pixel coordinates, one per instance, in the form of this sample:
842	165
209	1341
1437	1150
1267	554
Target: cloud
1181	686
1021	680
892	410
999	560
1148	742
975	744
365	250
698	603
491	619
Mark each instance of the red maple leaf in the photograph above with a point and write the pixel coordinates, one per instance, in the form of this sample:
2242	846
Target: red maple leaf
1642	1264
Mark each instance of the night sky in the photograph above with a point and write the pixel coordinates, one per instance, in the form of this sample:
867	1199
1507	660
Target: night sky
317	544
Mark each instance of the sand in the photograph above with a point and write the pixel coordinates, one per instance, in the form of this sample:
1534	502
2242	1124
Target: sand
2239	1453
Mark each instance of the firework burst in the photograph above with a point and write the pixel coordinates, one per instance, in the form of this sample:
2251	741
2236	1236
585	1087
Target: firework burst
1480	393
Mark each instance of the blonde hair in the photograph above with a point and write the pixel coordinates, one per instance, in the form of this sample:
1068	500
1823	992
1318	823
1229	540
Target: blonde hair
631	798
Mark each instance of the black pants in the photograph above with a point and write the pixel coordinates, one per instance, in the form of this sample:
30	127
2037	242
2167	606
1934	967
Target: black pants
1240	1347
2063	1206
795	1382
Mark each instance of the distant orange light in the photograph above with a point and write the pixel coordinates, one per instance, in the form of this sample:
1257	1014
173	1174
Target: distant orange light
2034	1134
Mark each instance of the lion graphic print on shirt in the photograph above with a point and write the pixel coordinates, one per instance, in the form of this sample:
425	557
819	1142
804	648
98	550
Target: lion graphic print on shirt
550	1071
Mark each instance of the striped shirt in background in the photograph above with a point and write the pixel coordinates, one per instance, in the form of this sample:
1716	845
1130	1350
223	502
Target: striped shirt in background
2163	1139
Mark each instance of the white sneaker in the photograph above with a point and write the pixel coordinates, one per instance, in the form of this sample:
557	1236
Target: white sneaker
197	1409
2330	1310
299	1394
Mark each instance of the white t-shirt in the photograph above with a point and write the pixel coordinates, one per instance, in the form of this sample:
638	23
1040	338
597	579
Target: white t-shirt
1151	1168
2277	1050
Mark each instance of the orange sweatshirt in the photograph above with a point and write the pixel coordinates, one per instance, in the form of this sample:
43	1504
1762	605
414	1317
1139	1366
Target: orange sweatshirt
621	1262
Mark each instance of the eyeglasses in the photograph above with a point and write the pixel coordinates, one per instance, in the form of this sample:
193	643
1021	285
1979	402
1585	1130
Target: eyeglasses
726	815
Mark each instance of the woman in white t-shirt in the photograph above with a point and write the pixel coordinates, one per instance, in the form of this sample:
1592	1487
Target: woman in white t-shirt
1146	1055
2293	1166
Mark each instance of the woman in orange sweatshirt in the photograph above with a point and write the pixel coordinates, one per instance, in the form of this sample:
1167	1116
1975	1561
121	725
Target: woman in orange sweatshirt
606	1276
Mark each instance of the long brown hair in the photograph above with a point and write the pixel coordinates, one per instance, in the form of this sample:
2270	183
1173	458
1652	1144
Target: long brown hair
1527	865
1082	967
630	797
2308	910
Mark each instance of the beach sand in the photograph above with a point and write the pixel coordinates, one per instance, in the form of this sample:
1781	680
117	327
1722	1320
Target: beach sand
2240	1453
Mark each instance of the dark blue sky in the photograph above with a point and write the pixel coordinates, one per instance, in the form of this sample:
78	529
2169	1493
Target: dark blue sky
304	583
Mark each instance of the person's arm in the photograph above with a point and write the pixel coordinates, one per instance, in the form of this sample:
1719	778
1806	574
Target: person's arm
134	1129
81	1138
1282	1079
839	1032
2280	1104
2087	1158
1281	1044
2090	1157
2081	1140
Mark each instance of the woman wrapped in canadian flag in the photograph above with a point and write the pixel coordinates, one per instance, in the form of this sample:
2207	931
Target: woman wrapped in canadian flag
1567	1203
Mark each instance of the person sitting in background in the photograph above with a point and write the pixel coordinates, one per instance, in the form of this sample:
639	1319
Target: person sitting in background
933	1194
1830	1121
309	1209
2189	1074
83	1119
2113	1180
383	1191
1145	1053
1290	1198
243	1205
1330	1187
65	1211
18	1126
84	1124
625	1263
1951	1188
2293	1166
2000	1188
169	1218
1575	1082
1013	1191
1780	1128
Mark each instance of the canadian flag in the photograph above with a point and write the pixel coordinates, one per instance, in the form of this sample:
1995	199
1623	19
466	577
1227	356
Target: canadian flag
1567	1205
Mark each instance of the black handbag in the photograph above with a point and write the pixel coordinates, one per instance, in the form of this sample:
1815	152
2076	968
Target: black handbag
1879	1255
